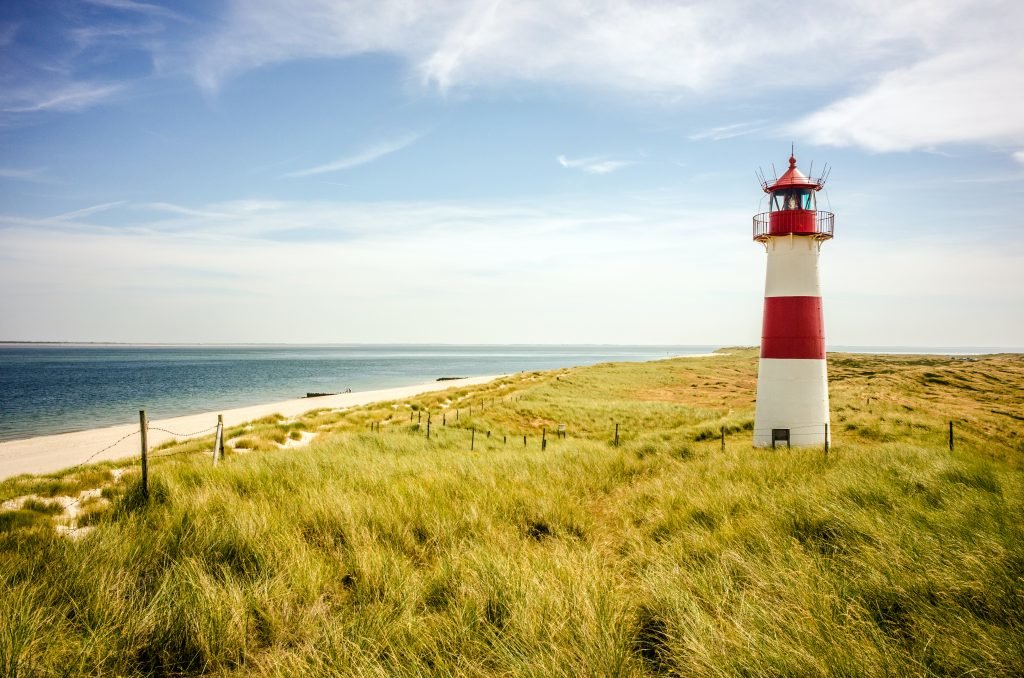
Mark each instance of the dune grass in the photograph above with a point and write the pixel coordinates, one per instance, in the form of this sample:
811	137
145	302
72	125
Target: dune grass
390	553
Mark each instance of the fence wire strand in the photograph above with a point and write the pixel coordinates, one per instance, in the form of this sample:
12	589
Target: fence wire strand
183	435
96	454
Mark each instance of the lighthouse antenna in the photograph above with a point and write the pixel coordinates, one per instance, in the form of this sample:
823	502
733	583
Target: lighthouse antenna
810	170
774	172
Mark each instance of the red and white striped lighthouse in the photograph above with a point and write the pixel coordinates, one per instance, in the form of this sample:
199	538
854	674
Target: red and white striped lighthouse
792	378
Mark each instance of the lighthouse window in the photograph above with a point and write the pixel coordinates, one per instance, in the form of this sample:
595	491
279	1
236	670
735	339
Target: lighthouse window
793	199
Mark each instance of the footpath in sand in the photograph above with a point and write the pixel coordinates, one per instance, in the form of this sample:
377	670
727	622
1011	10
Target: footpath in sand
46	454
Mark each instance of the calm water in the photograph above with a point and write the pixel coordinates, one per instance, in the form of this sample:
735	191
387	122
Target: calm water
58	388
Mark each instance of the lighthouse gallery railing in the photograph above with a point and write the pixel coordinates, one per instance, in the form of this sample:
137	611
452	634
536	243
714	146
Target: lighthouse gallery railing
819	224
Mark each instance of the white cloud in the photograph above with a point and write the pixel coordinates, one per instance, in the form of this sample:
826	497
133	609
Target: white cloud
1019	157
970	95
622	45
929	72
362	157
594	165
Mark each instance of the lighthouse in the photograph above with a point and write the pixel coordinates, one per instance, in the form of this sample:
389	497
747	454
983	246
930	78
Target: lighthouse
792	377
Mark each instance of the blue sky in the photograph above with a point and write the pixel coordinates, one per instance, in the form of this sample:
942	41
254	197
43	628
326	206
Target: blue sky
472	171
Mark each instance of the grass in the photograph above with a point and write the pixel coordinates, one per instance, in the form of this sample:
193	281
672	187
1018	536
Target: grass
388	553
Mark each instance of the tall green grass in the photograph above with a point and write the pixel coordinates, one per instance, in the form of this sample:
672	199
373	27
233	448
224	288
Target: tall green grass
385	554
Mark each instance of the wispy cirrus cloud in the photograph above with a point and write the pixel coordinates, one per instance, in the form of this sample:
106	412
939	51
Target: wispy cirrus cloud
73	96
85	211
361	157
593	165
137	7
35	174
76	58
738	129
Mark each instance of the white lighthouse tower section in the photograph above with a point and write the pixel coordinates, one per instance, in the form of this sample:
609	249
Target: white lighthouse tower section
792	393
792	267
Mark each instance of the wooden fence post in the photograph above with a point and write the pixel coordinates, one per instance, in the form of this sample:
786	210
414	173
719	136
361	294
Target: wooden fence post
218	440
472	440
616	434
723	439
544	438
826	440
444	419
950	435
144	432
524	441
428	428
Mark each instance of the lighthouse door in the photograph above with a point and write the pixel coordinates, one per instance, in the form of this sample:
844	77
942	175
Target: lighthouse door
780	435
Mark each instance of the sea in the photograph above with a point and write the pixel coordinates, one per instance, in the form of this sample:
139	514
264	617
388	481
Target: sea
58	388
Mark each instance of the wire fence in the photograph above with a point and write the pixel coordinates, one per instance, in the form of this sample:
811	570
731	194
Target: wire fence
84	495
423	421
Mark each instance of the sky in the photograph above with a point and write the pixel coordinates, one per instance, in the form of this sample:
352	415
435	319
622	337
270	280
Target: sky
479	171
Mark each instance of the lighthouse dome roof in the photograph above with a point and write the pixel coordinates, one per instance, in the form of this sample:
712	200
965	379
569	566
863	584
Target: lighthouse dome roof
794	178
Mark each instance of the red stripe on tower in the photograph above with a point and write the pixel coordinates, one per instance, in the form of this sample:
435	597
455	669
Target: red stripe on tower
793	327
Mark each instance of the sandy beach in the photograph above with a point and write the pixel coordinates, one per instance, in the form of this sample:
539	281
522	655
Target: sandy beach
46	454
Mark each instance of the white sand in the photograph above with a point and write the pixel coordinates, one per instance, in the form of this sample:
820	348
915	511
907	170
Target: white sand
46	454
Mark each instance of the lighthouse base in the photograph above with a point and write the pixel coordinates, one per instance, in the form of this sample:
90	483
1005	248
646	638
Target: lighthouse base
792	396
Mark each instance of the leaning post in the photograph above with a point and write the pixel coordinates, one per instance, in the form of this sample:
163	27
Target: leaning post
218	440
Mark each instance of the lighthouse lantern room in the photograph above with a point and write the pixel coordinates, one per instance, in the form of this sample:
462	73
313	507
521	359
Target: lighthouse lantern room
792	380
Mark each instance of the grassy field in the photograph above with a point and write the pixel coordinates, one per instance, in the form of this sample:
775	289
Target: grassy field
389	553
